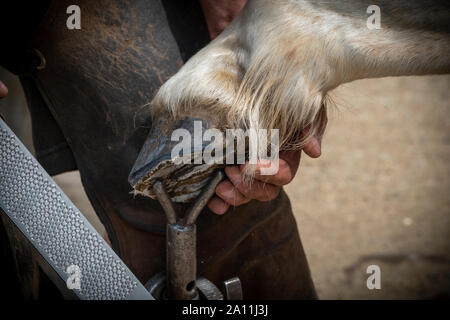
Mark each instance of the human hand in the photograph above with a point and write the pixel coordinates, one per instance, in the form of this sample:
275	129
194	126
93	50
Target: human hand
234	191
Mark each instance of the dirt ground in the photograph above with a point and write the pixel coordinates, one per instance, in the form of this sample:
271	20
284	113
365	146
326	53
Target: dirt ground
380	191
379	195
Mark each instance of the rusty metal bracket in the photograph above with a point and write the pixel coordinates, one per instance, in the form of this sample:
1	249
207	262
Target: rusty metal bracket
181	282
203	199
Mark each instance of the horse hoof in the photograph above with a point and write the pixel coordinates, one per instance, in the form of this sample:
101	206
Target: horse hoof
181	176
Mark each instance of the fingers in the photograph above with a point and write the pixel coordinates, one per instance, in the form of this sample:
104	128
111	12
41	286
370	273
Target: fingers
3	90
217	205
235	191
241	191
227	191
287	168
226	195
314	147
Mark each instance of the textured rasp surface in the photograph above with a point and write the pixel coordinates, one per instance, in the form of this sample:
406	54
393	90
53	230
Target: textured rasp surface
60	233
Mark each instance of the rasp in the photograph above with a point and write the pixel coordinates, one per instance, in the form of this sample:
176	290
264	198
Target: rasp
57	229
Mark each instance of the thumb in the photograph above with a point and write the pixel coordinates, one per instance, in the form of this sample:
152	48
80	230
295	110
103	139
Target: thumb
313	148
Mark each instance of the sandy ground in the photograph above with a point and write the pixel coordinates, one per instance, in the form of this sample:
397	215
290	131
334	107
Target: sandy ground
379	195
380	189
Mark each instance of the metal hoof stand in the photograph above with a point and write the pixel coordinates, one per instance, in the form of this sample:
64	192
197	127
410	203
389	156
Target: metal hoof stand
181	282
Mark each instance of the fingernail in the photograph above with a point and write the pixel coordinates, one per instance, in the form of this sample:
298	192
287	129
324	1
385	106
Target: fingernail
223	189
219	188
227	192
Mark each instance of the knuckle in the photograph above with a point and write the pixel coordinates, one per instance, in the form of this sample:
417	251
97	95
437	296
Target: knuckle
245	188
